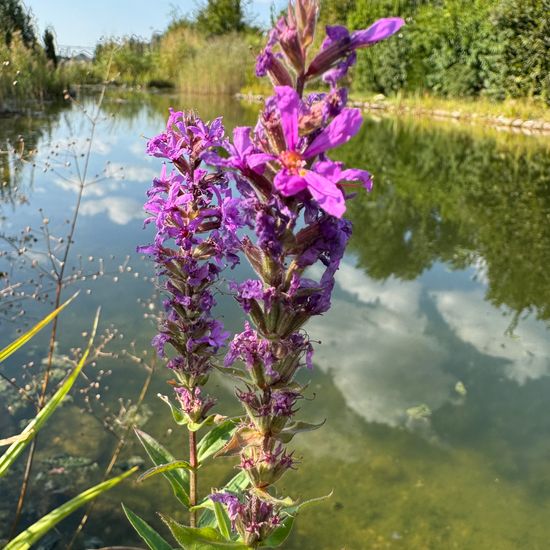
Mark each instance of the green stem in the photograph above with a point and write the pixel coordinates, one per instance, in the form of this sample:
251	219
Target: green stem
193	477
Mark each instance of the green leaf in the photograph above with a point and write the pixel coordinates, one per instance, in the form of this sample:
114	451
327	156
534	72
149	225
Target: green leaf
224	523
293	510
297	427
183	420
208	421
176	464
35	532
146	532
179	418
216	438
238	483
280	534
199	538
24	338
34	426
178	479
280	502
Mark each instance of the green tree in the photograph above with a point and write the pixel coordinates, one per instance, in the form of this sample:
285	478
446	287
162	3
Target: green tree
49	46
222	16
15	18
522	28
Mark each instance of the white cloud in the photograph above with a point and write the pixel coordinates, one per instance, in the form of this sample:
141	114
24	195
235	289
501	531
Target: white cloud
377	350
140	174
526	353
79	146
121	210
137	148
99	189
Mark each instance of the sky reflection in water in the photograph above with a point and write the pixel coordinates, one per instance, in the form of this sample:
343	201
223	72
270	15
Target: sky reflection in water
445	282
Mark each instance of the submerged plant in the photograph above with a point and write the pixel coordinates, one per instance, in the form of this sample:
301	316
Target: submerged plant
292	197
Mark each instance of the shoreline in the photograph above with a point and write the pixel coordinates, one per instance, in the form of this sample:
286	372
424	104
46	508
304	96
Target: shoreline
516	125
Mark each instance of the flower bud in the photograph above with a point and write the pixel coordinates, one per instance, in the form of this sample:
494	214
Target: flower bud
289	40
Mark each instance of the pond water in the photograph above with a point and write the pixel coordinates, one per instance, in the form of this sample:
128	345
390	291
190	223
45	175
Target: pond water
433	371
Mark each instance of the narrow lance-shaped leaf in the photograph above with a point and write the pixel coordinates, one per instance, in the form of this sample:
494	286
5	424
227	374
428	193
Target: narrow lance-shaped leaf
178	478
24	338
35	532
281	533
223	521
34	426
199	538
175	465
279	536
153	540
177	415
216	439
297	427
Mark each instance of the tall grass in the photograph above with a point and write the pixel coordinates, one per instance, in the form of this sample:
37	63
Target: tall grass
182	58
28	77
221	65
26	74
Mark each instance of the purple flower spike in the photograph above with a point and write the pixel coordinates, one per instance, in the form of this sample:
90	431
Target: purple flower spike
276	199
337	53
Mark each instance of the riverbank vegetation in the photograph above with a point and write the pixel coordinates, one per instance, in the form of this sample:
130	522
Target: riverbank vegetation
30	69
457	51
458	48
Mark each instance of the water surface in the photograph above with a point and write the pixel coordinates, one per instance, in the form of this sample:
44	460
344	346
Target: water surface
432	373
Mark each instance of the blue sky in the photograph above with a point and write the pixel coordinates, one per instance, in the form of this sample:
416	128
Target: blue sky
84	22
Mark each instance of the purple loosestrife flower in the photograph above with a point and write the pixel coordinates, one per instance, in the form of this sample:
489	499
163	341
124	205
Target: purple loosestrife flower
320	179
196	220
293	198
253	518
338	51
293	34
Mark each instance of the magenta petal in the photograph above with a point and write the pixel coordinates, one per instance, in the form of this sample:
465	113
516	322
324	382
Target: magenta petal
288	102
214	159
241	138
354	174
381	29
257	161
326	193
334	33
289	184
329	169
339	131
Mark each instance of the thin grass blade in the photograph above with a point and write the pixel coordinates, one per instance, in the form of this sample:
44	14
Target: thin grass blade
24	338
35	532
34	426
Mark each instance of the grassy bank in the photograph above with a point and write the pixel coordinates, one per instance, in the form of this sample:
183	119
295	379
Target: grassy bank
525	113
511	109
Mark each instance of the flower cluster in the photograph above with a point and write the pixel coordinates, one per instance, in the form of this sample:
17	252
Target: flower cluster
293	196
253	518
195	219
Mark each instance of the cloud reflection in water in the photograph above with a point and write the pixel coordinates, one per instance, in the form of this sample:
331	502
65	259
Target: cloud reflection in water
383	360
121	210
